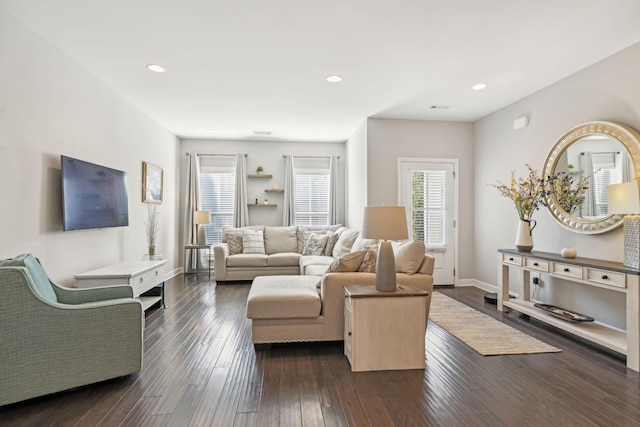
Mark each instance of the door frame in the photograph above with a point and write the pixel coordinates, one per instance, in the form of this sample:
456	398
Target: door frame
456	192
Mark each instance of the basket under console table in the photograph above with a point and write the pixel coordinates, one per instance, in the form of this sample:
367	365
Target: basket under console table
143	276
613	276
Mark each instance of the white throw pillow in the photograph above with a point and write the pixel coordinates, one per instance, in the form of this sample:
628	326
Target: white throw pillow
315	245
345	242
253	242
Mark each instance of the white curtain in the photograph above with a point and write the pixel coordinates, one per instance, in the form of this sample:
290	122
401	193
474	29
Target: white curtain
333	187
288	211
241	211
192	204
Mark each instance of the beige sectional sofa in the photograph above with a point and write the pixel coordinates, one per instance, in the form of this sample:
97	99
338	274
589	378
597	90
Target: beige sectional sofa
282	252
299	274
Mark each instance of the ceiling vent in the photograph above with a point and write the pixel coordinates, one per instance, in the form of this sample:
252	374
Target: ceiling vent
262	132
440	107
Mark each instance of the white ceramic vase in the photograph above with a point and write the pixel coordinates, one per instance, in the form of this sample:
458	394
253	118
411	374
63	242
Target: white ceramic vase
524	240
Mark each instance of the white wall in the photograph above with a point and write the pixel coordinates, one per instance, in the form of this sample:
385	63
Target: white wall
608	90
267	154
49	106
357	176
389	140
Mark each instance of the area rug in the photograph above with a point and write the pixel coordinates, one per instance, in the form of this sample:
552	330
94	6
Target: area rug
482	333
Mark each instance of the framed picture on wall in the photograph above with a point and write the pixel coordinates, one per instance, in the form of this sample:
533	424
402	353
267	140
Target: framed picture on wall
151	183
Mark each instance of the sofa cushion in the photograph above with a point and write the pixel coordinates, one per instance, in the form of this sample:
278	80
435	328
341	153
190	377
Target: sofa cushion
369	262
409	256
280	239
35	269
304	231
316	270
253	242
227	230
315	244
234	242
347	263
307	261
247	260
284	297
284	259
343	246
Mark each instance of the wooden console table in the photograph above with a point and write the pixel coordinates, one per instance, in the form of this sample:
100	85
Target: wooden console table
613	276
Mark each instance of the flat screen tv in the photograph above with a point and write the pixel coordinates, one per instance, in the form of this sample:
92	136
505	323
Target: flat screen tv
93	196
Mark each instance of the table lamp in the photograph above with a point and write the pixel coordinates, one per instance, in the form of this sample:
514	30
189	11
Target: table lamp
201	218
385	223
625	199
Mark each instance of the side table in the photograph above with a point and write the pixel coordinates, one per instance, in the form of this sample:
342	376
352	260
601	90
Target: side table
197	248
384	330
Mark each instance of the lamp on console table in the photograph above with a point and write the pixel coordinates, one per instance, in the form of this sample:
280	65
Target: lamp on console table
625	199
201	218
385	223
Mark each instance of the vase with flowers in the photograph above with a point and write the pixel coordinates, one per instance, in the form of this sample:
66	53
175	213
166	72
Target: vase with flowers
527	195
151	227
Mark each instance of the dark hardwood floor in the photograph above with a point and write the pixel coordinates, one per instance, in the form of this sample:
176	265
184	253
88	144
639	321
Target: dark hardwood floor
201	369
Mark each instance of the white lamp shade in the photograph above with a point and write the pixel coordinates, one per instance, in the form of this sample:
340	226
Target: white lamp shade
623	198
202	217
385	222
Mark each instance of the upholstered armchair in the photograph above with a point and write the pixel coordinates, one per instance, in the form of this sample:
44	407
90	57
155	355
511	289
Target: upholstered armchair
54	338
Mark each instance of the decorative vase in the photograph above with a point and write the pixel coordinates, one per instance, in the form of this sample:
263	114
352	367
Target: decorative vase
152	250
569	252
524	241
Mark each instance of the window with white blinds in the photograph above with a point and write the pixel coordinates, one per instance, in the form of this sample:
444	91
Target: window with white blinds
311	191
217	193
428	207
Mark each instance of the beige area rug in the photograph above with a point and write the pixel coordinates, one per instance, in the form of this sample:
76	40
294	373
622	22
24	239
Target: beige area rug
482	333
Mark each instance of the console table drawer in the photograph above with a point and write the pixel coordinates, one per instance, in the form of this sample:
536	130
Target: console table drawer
606	277
147	280
568	270
536	264
512	259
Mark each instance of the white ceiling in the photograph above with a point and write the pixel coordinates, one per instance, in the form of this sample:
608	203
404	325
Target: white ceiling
254	65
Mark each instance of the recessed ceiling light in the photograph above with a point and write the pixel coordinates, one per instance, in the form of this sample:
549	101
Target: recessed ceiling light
440	107
211	130
479	86
313	133
156	68
334	78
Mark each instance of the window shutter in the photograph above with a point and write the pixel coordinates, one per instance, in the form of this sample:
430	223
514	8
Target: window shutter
428	210
311	191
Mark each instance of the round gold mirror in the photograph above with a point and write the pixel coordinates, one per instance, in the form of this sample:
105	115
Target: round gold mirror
590	157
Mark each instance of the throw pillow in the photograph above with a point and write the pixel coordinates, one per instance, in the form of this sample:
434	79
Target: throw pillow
331	242
234	242
280	239
409	256
369	262
316	244
348	263
345	242
253	242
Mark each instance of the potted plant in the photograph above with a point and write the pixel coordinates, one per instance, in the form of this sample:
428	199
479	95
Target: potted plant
152	226
259	169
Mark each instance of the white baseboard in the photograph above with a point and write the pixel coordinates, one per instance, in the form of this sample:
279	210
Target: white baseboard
173	273
478	284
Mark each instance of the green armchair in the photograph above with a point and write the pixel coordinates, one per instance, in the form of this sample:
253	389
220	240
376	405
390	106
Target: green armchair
54	338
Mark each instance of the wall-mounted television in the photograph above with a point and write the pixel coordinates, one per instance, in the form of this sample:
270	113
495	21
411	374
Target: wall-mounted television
93	196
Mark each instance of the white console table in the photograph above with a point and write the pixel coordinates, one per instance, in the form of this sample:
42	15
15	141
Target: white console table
141	275
613	276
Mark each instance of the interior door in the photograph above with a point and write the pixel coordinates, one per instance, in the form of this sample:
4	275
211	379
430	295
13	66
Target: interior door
427	191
